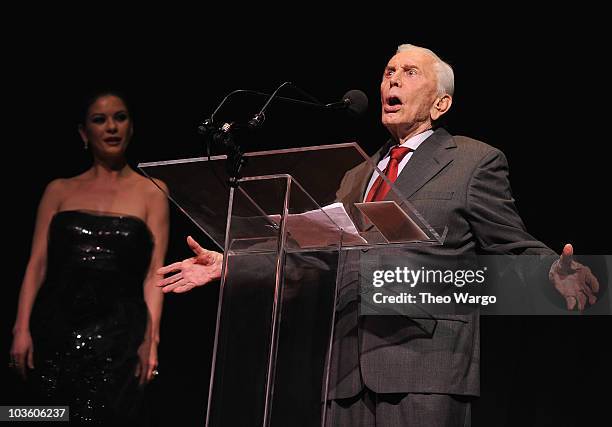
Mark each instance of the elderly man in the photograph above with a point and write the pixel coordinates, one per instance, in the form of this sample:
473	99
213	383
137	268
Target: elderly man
383	374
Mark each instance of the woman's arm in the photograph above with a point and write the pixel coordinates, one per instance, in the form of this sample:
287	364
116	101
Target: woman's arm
158	221
22	350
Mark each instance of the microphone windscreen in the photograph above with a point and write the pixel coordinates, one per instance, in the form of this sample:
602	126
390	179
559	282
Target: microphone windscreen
357	101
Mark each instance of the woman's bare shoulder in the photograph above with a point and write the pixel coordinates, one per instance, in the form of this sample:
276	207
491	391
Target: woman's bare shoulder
152	187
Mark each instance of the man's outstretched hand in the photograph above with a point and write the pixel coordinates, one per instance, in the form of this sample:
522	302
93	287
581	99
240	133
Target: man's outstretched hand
198	270
573	281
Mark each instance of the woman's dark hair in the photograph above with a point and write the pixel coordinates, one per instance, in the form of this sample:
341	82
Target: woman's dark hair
92	97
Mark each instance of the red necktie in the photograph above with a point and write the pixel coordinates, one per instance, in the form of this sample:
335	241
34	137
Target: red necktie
380	188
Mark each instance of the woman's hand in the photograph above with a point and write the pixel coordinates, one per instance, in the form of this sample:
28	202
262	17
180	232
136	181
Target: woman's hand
22	352
146	369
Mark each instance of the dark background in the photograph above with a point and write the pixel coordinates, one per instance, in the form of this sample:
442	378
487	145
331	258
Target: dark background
535	91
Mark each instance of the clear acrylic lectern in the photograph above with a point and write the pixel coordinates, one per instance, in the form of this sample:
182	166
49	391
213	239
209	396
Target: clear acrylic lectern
283	231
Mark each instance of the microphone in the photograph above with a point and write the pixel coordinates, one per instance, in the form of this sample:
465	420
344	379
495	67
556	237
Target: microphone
355	101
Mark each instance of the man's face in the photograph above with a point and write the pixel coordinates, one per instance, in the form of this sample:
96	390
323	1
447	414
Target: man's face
408	92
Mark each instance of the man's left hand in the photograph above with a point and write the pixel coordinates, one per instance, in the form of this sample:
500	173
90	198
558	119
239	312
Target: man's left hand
573	281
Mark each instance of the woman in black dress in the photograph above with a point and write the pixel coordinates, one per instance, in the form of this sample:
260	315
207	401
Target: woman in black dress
87	325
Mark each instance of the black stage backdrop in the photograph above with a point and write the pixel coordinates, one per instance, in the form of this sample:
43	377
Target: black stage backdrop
538	94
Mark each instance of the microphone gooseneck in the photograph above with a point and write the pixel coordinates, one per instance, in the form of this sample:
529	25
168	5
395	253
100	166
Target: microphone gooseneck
222	134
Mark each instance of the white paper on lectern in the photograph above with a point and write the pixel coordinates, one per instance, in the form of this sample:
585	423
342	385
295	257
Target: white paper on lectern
314	228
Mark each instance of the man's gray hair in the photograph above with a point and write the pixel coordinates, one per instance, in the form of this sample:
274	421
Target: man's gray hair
444	72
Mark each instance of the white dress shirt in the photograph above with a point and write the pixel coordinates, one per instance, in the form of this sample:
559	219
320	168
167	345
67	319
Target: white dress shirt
412	143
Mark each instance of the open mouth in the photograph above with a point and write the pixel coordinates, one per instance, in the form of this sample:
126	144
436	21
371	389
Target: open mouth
112	140
393	104
393	101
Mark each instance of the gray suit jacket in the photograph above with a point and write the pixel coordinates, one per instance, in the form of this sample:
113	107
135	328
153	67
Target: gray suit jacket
452	181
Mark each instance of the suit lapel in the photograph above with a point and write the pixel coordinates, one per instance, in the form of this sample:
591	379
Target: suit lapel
362	179
430	158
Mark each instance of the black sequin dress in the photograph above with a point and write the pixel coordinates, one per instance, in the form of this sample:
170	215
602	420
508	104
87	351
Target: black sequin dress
89	317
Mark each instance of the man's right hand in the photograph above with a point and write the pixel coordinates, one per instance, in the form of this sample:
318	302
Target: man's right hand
198	270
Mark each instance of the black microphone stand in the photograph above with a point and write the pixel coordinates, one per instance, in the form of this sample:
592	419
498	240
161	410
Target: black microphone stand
224	135
235	157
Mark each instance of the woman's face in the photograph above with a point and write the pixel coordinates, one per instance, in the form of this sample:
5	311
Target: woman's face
108	127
